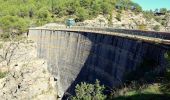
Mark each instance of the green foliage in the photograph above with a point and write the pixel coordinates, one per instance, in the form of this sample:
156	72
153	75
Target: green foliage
1	45
118	17
167	55
110	19
3	74
43	16
156	28
86	91
13	23
5	36
164	23
106	7
142	27
148	15
82	14
163	10
18	15
137	7
96	8
158	19
166	20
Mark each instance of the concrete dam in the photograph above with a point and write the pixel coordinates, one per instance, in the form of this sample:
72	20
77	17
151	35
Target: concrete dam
76	55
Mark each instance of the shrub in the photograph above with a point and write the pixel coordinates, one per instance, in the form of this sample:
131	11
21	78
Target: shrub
106	7
13	23
82	14
1	46
86	91
158	19
142	27
156	28
3	74
118	17
164	23
110	19
5	36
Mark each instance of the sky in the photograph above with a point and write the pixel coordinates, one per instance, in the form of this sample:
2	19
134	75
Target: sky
153	4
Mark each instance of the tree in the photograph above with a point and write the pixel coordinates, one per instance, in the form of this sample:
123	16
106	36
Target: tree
96	8
110	19
156	28
72	5
136	6
43	16
156	11
81	14
163	10
13	23
86	91
106	7
86	3
166	20
148	15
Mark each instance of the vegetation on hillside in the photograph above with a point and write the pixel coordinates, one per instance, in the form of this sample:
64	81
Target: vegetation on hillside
2	74
160	15
17	15
86	91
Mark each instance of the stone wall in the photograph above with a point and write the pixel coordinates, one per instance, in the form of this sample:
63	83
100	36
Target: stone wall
80	56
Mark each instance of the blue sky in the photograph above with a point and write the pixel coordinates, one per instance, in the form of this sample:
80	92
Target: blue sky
153	4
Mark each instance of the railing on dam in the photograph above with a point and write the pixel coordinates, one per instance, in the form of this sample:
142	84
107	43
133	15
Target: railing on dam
150	36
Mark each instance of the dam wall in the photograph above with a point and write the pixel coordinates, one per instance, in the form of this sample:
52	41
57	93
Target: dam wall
74	57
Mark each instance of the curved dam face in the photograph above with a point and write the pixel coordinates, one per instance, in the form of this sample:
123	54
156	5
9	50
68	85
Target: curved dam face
74	57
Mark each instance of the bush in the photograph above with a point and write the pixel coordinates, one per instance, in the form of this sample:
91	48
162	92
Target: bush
106	7
158	19
1	45
148	15
13	23
5	36
81	14
142	27
156	28
118	17
86	91
3	74
110	19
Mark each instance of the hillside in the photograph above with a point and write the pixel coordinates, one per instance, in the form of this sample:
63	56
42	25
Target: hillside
17	15
26	77
128	20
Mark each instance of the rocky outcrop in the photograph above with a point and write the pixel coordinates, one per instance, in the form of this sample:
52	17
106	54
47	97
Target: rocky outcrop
128	20
28	77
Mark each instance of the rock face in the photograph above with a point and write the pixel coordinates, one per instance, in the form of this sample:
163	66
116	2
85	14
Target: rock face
76	56
100	21
128	20
28	78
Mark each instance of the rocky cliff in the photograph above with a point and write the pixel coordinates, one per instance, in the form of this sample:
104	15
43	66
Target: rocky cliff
127	20
27	77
